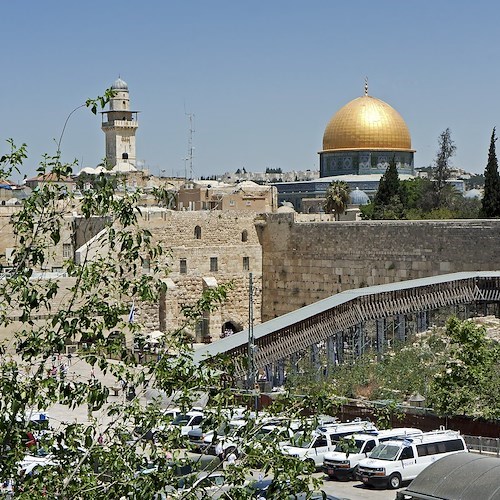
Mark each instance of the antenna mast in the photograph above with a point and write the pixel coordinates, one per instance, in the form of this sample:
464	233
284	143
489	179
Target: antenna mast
190	143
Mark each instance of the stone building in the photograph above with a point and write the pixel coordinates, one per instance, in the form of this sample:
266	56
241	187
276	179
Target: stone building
120	124
359	141
246	196
204	249
51	179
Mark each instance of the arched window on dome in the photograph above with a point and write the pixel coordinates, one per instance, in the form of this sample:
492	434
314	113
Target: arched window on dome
197	232
244	235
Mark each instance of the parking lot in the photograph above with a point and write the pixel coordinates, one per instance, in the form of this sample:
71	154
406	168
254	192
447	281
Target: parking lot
354	490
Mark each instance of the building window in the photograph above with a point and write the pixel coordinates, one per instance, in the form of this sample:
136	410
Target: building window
66	250
231	203
197	232
244	235
214	267
246	263
183	266
248	203
124	156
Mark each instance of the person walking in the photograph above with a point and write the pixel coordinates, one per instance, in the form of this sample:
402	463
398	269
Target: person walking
219	450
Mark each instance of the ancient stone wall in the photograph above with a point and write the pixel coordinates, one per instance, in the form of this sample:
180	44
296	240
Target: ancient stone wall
307	261
204	246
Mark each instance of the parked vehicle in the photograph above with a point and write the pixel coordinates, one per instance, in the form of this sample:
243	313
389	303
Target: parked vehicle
342	463
202	440
187	421
311	447
402	459
262	429
172	419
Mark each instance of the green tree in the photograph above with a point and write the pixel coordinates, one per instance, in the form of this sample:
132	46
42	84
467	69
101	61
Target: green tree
387	203
468	382
491	198
337	198
389	185
442	165
93	303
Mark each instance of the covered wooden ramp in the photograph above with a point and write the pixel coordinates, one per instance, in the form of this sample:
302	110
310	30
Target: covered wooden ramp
343	326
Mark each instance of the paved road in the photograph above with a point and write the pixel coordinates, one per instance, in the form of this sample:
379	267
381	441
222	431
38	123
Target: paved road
354	490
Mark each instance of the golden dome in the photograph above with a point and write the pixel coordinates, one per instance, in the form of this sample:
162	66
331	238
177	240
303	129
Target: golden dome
367	123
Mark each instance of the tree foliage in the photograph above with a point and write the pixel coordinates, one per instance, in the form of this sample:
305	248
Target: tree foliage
442	164
468	383
337	198
99	457
456	368
389	186
491	198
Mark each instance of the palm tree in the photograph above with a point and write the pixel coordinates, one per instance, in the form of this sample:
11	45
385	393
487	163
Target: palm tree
337	198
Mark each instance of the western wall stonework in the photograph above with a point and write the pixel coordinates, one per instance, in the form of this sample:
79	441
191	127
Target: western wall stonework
306	261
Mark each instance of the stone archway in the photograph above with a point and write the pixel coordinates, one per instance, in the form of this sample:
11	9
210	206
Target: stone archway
230	327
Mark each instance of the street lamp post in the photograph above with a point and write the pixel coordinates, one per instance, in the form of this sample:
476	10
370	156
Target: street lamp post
251	343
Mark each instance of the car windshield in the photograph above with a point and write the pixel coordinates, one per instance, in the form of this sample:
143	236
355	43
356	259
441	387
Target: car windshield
385	452
181	420
301	440
345	445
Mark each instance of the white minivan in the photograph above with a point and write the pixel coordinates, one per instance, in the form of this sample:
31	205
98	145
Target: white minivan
342	463
311	447
402	459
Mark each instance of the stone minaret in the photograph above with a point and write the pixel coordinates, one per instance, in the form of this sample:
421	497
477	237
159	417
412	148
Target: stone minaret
120	124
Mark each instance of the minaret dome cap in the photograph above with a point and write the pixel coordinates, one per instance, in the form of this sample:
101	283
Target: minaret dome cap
119	85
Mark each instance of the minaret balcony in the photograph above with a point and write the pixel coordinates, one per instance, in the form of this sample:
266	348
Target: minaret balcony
120	124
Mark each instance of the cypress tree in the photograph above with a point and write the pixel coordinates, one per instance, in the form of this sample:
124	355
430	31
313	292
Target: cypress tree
491	198
389	186
446	150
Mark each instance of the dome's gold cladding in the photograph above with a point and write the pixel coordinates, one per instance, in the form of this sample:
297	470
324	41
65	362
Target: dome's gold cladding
367	123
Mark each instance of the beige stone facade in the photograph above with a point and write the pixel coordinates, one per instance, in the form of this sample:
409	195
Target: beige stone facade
295	259
246	196
307	261
206	249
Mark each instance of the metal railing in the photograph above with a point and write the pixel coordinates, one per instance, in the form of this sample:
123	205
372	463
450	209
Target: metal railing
484	445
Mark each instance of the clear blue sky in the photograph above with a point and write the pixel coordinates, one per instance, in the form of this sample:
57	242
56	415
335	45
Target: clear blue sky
262	78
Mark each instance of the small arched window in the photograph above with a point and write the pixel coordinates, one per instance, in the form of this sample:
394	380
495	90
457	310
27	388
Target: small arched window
244	235
125	156
197	232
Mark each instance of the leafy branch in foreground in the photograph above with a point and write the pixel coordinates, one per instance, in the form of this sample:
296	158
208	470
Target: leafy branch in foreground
97	454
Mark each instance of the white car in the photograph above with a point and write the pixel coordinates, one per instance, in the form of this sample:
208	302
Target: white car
187	421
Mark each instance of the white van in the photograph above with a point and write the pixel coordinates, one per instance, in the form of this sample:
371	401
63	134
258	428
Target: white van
402	459
342	463
311	447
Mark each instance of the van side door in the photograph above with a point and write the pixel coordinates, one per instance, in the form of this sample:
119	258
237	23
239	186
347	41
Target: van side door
408	463
318	449
368	447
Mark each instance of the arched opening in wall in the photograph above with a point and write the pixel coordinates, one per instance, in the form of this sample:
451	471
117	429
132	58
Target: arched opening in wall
125	156
244	235
197	232
229	328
